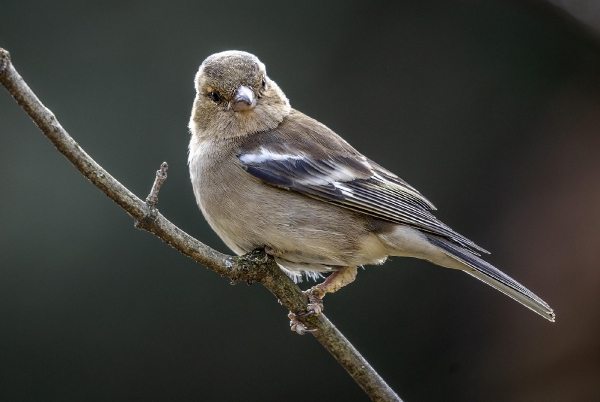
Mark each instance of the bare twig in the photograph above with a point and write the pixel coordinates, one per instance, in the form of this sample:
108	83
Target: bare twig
161	176
252	267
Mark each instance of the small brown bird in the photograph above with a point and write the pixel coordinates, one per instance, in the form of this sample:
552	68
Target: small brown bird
266	175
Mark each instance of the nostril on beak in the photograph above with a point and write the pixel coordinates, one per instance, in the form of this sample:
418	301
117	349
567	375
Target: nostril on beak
244	99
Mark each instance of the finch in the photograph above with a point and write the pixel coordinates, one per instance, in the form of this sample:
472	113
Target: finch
266	175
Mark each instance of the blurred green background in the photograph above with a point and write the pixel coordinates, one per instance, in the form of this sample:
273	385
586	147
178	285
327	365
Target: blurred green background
490	108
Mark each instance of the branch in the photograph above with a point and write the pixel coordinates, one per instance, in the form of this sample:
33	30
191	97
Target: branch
256	266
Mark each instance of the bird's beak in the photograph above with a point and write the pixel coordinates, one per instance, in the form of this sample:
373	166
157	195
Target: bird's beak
244	99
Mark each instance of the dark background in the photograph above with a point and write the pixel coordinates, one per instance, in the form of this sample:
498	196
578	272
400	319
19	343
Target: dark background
490	108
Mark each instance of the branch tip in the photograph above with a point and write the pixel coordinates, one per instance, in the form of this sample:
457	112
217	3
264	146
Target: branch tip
161	176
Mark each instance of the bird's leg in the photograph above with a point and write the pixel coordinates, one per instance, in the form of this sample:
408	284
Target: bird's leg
334	282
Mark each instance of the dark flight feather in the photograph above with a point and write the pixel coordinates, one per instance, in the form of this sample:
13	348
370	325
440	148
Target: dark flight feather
491	275
336	173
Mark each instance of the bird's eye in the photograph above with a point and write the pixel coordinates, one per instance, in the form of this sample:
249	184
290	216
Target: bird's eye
215	96
264	83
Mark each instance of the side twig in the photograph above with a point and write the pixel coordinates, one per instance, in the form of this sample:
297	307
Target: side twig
252	267
161	176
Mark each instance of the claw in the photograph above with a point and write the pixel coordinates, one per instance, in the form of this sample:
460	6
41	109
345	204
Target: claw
309	312
315	308
297	326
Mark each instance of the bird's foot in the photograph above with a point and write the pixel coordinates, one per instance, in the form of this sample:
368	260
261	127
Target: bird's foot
314	307
333	283
297	326
315	301
272	251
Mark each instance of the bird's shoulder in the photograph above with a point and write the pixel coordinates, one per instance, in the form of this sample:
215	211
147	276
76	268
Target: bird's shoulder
300	135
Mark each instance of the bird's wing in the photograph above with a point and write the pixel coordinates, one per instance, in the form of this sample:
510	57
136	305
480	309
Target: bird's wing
305	156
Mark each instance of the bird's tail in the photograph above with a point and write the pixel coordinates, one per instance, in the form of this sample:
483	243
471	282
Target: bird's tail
489	274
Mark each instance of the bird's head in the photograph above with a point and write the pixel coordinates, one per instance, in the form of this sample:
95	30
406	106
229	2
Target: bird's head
235	97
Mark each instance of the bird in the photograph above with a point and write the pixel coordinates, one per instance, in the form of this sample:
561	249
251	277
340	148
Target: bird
267	176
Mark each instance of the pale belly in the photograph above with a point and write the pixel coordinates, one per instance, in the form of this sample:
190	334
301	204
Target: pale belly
303	233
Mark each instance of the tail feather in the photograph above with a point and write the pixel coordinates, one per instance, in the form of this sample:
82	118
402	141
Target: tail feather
489	274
